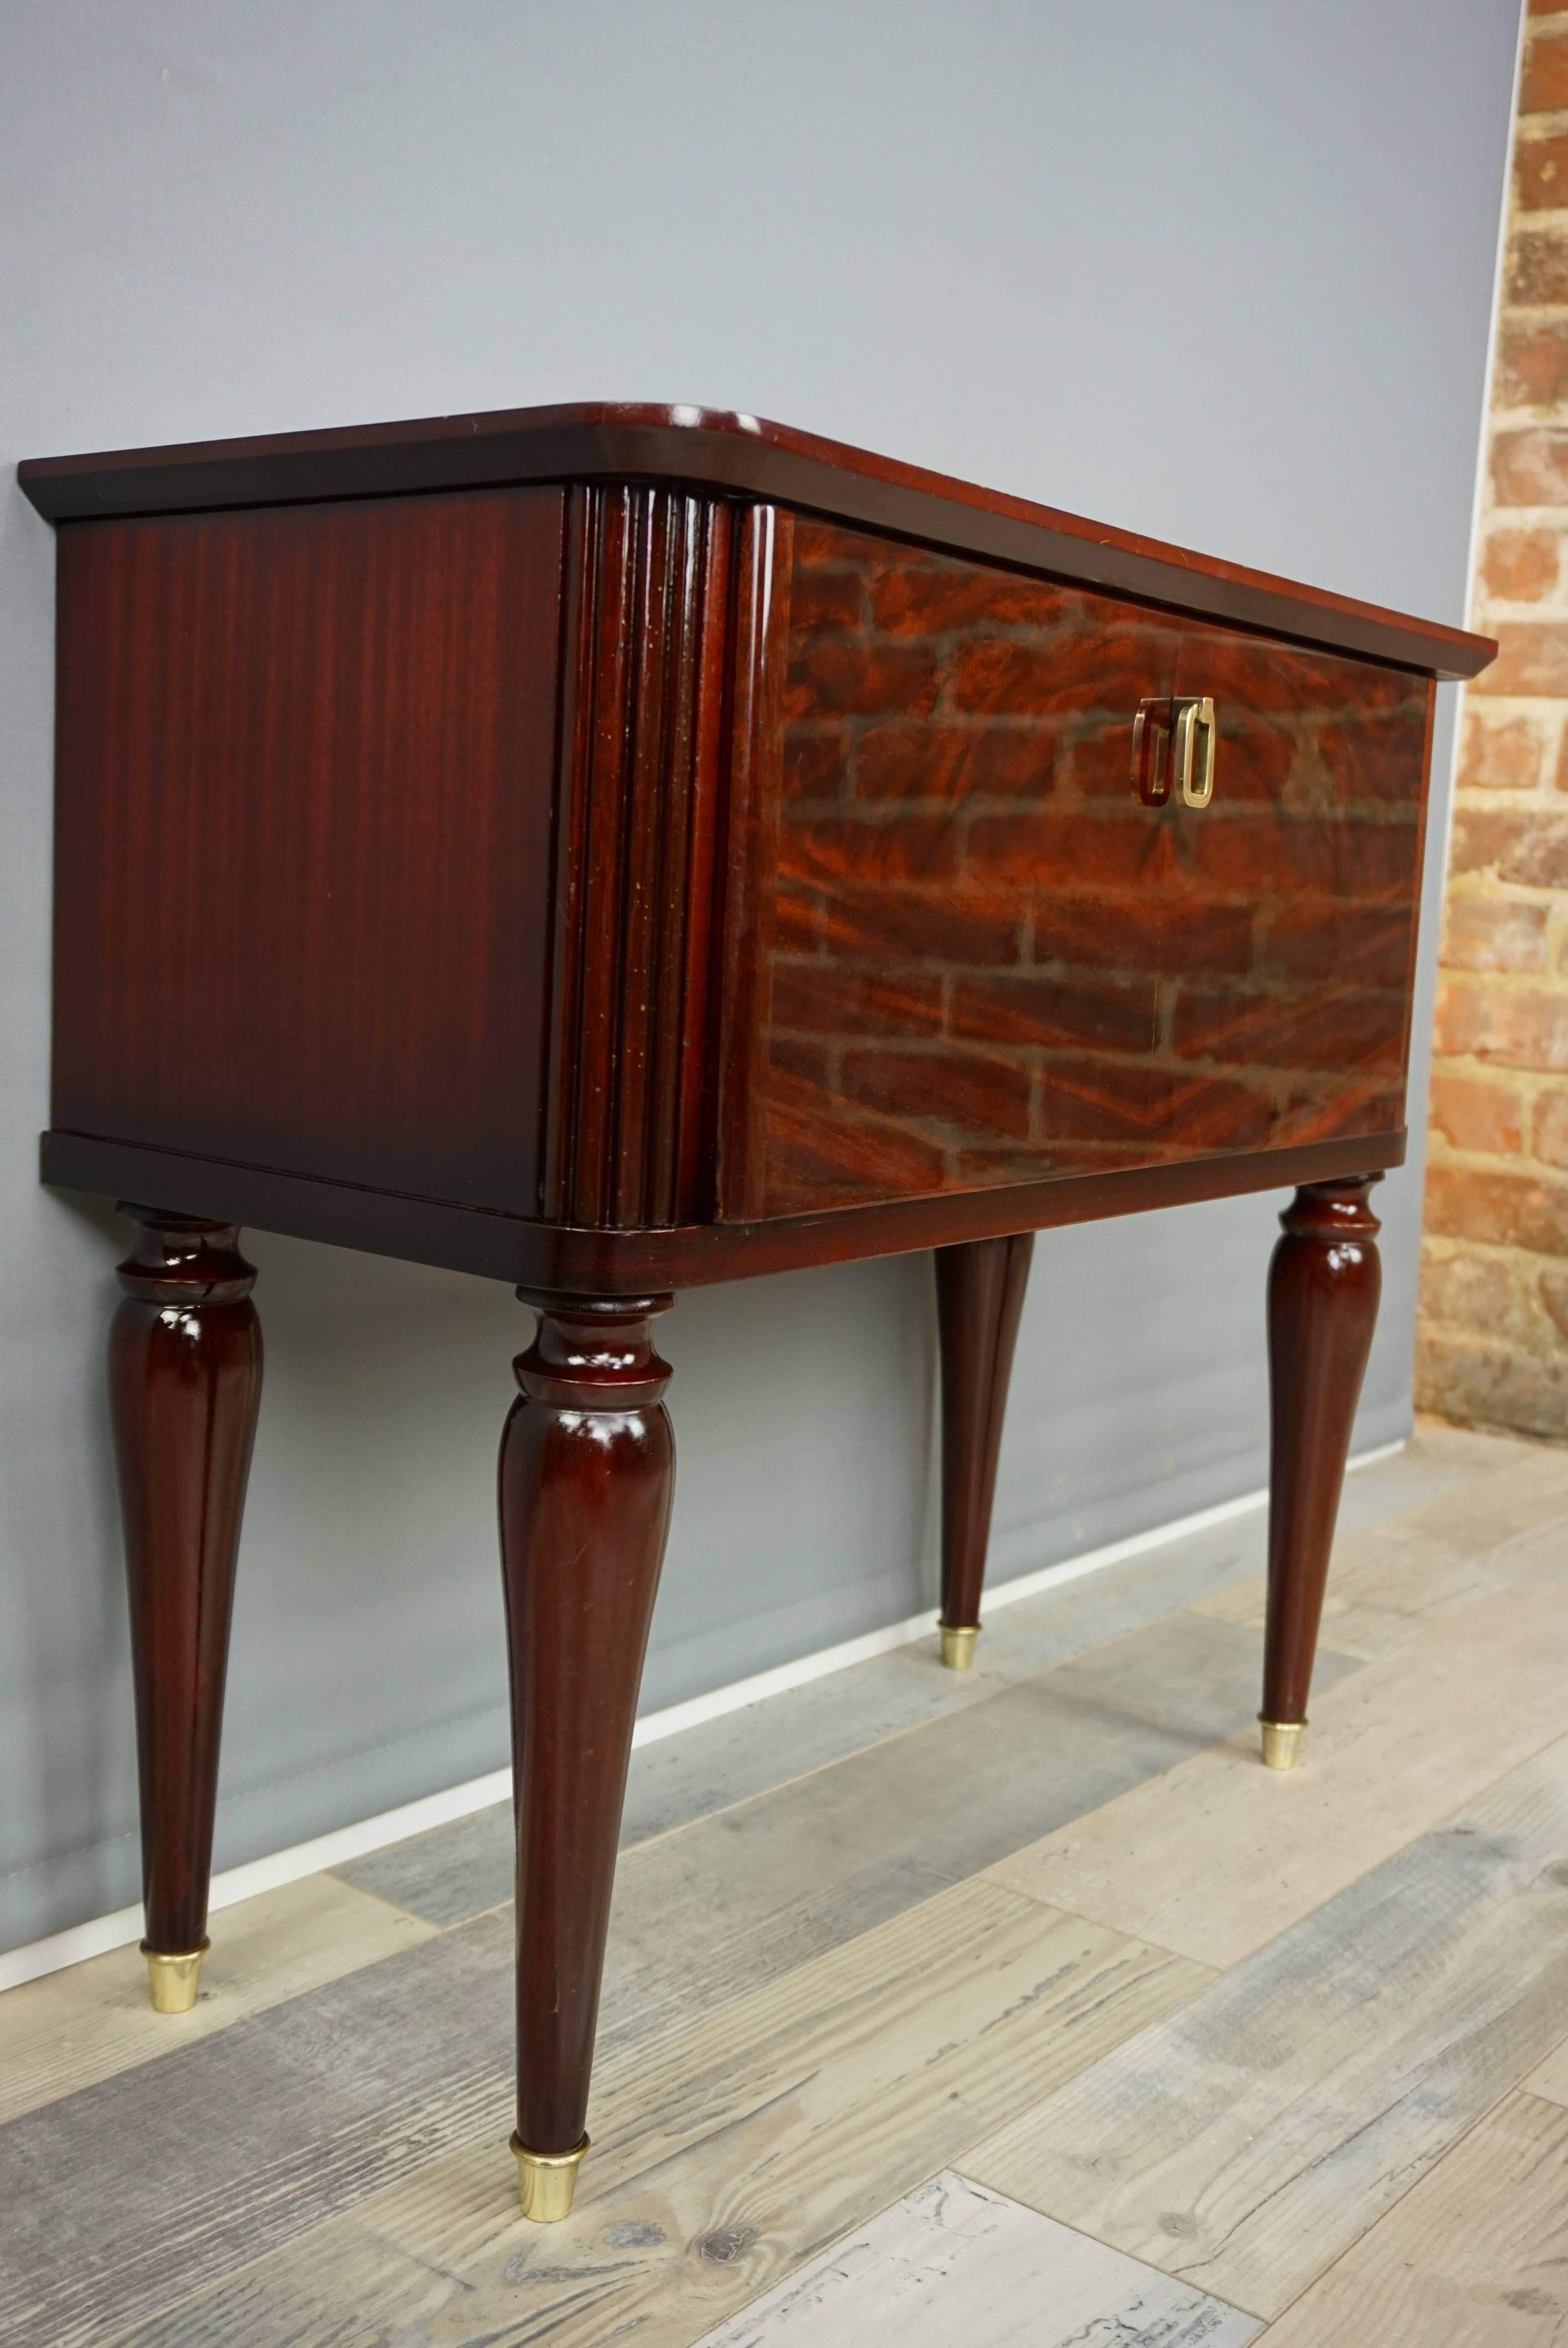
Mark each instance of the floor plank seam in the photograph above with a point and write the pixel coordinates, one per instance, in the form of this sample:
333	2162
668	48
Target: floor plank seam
1246	1756
909	1728
1451	2048
1384	2216
895	1736
369	1891
1074	2226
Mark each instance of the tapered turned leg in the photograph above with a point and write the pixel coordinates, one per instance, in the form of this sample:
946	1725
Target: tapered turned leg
979	1299
588	1467
1323	1290
185	1380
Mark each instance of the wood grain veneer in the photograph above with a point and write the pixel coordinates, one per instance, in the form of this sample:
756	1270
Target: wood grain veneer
991	960
304	772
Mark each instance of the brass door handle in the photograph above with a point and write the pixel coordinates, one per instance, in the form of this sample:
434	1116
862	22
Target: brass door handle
1193	735
1152	751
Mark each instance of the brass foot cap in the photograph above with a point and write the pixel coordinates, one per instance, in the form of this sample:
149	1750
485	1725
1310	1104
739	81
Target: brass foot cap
959	1645
1281	1742
546	2181
174	1981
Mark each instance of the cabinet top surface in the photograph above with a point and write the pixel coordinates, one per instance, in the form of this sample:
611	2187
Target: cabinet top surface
721	452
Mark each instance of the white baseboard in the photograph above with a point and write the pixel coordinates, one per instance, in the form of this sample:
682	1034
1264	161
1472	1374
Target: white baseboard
235	1883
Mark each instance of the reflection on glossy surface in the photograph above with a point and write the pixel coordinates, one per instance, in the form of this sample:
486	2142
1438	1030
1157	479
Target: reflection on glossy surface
992	962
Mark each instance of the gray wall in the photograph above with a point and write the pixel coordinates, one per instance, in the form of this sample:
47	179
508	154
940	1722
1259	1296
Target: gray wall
1219	271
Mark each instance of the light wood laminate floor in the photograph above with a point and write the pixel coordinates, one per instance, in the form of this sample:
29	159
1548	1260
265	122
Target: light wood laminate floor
1016	2007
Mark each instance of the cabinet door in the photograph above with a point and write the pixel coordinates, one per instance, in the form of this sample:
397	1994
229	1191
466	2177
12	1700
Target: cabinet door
992	958
1313	833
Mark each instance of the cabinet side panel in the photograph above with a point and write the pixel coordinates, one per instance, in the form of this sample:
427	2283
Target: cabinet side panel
305	772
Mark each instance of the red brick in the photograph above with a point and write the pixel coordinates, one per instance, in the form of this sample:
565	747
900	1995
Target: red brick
955	762
1519	566
1493	933
1550	1140
826	998
1473	1290
1554	1297
934	598
1530	468
1520	845
1537	269
1482	1383
1543	89
826	599
1532	366
1508	1025
1505	1208
831	678
1473	1114
1531	658
1541	171
1504	758
971	1093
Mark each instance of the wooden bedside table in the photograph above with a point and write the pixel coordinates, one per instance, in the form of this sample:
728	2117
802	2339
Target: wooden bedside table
613	849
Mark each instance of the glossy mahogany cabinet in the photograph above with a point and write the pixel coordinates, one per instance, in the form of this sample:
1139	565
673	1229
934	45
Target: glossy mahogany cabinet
617	849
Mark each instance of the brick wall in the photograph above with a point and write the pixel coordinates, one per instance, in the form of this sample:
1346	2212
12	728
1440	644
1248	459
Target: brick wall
1493	1342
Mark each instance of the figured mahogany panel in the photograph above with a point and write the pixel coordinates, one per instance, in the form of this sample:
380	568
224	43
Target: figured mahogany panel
305	775
629	1132
993	963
